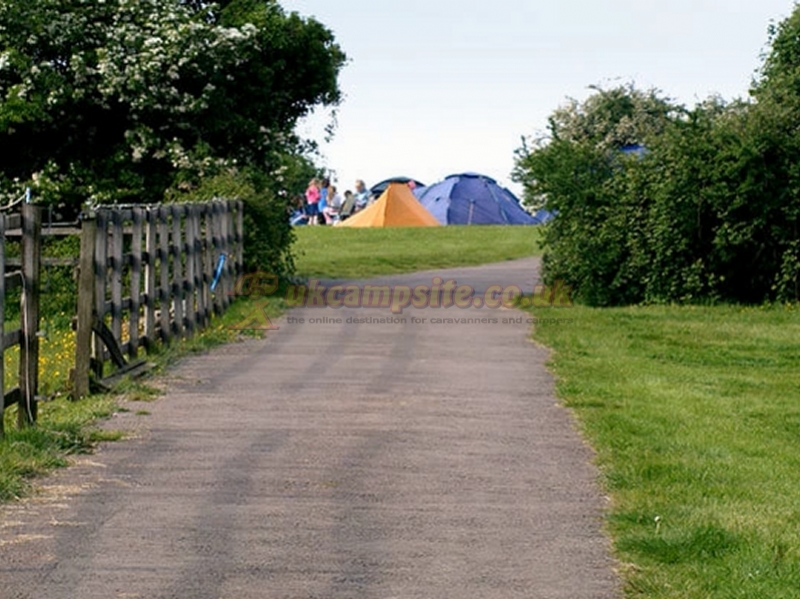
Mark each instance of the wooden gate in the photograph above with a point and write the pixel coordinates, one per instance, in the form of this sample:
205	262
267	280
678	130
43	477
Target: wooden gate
148	274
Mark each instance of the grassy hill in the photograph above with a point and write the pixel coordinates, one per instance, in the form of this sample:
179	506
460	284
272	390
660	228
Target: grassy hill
359	253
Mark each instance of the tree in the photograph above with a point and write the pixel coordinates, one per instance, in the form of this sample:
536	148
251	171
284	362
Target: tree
775	120
134	101
610	119
118	101
710	212
580	172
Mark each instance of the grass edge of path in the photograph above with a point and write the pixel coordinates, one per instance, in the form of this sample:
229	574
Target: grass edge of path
692	416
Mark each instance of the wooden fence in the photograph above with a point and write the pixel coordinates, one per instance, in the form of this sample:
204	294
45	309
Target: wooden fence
147	274
27	278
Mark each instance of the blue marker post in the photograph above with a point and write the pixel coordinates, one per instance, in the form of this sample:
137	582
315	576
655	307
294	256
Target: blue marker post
218	271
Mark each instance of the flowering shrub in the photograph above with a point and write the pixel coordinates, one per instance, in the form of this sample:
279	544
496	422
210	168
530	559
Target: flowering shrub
121	100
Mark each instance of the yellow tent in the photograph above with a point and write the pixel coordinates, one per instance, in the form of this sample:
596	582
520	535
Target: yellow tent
397	207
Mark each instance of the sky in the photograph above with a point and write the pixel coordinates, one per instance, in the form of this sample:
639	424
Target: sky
436	87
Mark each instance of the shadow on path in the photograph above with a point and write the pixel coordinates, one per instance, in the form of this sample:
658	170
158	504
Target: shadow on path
347	458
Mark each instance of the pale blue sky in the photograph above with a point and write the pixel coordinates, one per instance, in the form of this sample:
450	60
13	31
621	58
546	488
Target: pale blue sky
435	87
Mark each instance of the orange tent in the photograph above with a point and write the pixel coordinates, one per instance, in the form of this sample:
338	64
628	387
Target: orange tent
397	207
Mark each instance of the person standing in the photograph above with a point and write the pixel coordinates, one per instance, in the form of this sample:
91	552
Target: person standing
312	201
323	199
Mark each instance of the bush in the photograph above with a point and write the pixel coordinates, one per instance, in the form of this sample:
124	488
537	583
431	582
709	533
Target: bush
268	237
709	211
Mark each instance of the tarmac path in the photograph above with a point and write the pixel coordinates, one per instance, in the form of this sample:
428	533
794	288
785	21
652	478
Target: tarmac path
335	459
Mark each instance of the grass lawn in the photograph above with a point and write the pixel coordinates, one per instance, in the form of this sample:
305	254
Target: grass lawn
359	253
695	415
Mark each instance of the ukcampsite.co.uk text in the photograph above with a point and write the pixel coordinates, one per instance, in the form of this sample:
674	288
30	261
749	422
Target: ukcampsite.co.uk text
440	294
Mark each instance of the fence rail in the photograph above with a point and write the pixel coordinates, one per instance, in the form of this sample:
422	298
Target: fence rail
146	274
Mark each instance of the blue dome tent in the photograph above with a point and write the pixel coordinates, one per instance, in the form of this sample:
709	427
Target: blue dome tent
377	189
473	199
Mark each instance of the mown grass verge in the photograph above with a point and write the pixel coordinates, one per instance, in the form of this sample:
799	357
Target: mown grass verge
66	428
361	253
695	417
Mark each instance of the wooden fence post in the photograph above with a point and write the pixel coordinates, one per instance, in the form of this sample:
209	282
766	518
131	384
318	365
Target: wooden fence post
29	313
239	238
101	279
164	260
189	282
150	287
136	284
177	271
208	258
86	308
2	323
226	285
200	268
217	250
117	234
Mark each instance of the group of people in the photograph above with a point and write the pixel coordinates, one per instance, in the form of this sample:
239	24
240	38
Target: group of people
322	203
